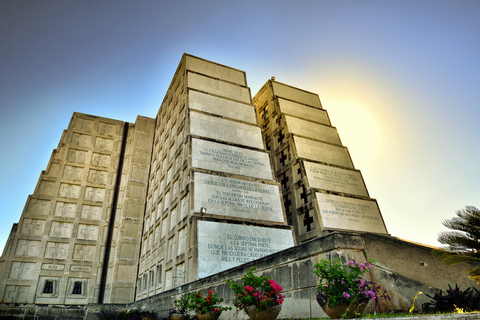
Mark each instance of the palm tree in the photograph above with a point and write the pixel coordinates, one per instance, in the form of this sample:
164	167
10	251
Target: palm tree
463	245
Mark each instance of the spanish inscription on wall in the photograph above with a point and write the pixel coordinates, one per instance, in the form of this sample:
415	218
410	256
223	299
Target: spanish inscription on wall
222	246
237	198
225	158
335	179
339	212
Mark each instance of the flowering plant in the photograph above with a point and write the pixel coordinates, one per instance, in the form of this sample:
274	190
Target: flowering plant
206	304
261	292
344	285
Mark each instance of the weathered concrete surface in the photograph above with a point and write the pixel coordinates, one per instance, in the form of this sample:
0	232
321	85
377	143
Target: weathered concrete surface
404	268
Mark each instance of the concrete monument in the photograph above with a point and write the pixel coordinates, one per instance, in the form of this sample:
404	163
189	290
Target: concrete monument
125	211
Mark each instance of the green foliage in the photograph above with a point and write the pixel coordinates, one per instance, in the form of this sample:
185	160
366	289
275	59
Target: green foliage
262	292
181	305
454	299
201	304
340	284
463	245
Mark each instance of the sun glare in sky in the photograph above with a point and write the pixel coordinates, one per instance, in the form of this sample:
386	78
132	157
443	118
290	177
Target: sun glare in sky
358	128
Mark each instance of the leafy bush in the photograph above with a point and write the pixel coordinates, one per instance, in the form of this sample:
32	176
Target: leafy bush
469	300
204	304
261	292
181	305
340	284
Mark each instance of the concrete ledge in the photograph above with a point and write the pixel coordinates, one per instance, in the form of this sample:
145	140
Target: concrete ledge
402	267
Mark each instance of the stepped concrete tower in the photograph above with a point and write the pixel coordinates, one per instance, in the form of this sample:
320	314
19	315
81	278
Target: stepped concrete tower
212	200
322	190
124	211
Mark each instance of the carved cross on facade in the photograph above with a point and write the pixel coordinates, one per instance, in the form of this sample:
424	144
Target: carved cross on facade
281	136
288	202
264	114
284	181
55	251
283	158
303	195
307	221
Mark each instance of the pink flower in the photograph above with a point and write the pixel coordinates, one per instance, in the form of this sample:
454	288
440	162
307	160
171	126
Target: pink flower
249	288
351	263
346	295
371	294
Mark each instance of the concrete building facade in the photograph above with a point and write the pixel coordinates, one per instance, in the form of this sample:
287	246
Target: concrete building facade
126	211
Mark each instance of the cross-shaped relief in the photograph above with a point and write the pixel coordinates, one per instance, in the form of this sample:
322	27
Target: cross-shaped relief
27	248
83	252
308	222
87	232
60	229
56	250
91	212
33	226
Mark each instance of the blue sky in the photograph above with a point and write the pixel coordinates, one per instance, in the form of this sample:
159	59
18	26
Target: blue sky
399	79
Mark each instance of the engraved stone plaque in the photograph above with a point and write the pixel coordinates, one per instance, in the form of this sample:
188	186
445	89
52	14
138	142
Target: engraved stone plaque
335	179
217	87
324	152
222	246
348	213
225	158
312	130
51	266
303	111
237	198
225	130
81	268
222	107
